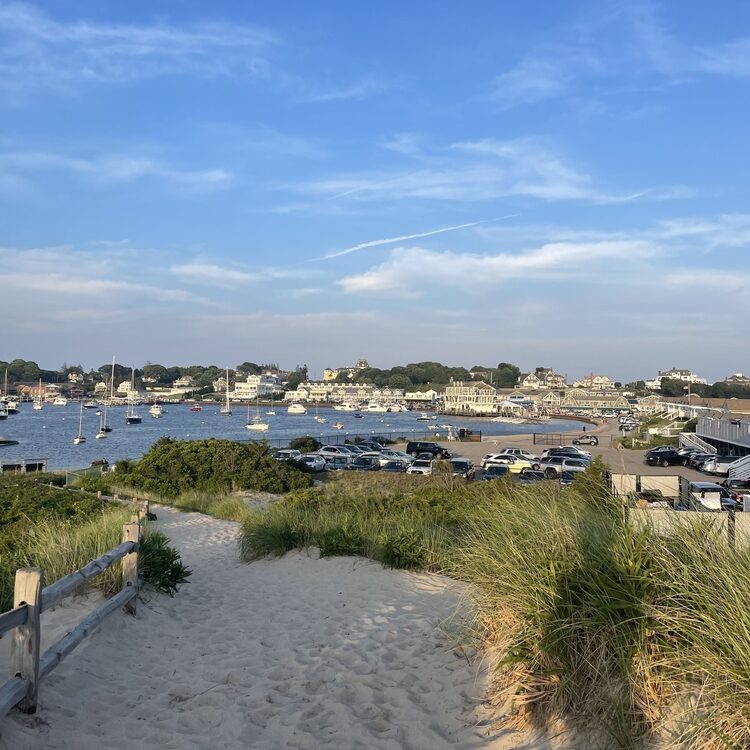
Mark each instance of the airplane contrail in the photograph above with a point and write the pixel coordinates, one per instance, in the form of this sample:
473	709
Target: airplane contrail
375	243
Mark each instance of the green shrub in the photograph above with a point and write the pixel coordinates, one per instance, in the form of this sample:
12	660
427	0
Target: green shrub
161	564
171	468
402	548
340	540
305	444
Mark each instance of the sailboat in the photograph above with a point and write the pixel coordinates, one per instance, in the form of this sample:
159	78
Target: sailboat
103	429
38	399
132	417
225	410
320	420
257	424
79	438
11	407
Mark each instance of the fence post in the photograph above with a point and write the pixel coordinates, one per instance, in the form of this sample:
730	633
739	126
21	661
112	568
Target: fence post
25	644
731	527
131	532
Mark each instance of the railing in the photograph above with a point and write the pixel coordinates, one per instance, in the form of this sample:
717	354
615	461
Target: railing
740	469
735	431
31	598
691	440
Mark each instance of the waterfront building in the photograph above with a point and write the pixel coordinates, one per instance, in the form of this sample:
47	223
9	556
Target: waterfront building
475	398
595	382
542	377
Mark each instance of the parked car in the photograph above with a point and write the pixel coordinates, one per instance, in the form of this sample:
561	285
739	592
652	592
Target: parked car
567	478
372	445
515	464
531	476
365	463
719	465
696	460
496	471
415	447
586	440
288	454
327	451
567	450
395	467
520	452
389	454
334	463
711	496
420	466
663	457
553	466
312	461
628	426
462	467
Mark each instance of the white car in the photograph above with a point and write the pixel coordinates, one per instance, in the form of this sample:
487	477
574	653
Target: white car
420	466
389	454
520	452
312	461
515	464
328	451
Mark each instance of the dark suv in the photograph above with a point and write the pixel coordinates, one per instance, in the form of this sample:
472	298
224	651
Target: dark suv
415	447
664	456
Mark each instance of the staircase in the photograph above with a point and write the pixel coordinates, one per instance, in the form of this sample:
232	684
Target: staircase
740	469
691	440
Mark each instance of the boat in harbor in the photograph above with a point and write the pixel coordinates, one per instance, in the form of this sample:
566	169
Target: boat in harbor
38	402
156	411
271	413
91	404
225	410
255	424
132	417
423	418
338	426
376	408
296	408
196	407
317	418
60	401
7	441
3	411
80	438
346	406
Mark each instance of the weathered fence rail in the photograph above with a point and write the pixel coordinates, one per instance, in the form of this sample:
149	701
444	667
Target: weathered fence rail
32	598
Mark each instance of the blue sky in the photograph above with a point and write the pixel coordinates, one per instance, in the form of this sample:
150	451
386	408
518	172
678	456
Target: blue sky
558	184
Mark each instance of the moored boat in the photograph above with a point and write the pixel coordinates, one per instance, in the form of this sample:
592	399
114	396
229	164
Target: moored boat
296	408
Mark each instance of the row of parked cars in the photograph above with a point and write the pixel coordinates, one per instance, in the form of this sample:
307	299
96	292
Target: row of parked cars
560	463
709	463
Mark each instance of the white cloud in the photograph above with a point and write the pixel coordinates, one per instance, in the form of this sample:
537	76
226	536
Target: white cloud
390	241
473	171
355	91
113	168
36	49
414	271
210	274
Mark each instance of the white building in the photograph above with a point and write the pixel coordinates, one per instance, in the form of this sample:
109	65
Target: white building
256	386
595	383
674	374
337	393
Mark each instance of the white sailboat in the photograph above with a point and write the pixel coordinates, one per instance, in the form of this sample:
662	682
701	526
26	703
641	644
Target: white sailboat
38	399
256	424
79	438
103	429
132	417
225	410
319	420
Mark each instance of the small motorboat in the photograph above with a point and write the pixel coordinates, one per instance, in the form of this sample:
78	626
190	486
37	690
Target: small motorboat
338	426
196	407
8	441
271	413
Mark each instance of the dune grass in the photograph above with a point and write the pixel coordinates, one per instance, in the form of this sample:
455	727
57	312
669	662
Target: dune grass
633	634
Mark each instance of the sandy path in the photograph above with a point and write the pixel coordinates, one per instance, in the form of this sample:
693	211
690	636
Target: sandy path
288	653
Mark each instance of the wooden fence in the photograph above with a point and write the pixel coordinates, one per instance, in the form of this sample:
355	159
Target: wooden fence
32	597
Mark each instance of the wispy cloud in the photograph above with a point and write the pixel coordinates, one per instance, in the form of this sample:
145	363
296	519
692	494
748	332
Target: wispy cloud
112	168
36	49
228	275
358	90
408	271
473	171
403	238
627	43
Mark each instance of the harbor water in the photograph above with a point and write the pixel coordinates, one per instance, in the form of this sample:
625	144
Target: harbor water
49	433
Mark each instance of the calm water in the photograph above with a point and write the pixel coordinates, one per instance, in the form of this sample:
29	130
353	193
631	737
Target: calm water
49	433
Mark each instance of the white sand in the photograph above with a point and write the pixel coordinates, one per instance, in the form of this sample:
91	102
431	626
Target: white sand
294	652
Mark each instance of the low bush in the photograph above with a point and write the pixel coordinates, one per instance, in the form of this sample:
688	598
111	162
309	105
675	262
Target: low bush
161	564
305	444
171	468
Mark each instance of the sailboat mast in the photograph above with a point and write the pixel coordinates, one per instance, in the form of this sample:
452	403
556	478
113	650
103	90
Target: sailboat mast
112	382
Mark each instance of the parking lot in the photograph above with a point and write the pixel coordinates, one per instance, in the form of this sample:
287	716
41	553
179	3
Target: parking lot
621	460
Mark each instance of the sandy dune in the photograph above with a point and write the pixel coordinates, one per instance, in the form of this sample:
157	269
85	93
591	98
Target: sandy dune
290	653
